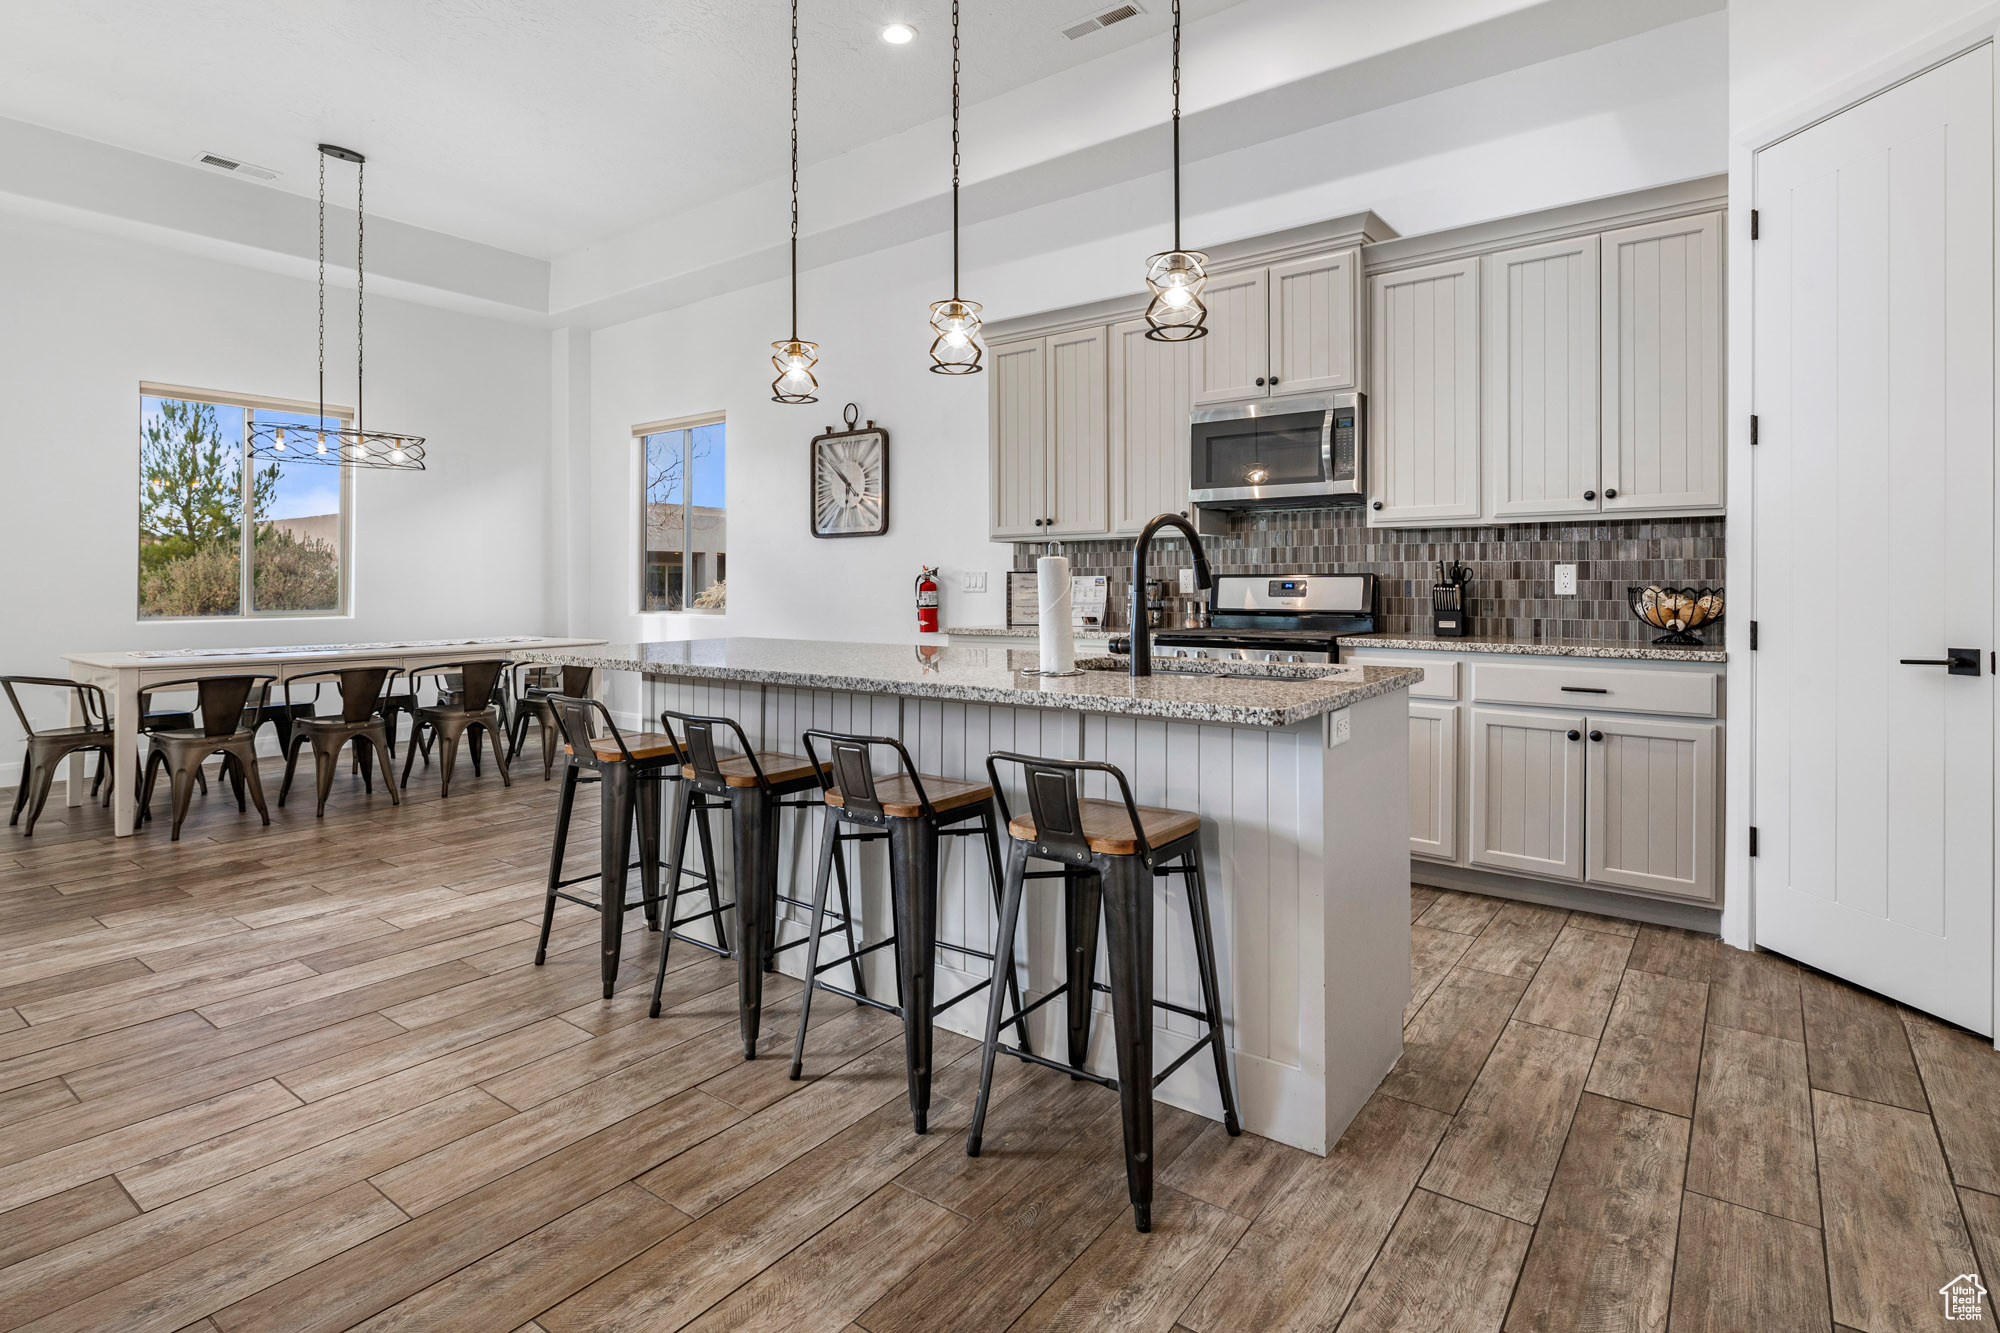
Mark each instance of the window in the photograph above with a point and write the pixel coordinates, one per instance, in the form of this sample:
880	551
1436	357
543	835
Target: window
684	548
223	534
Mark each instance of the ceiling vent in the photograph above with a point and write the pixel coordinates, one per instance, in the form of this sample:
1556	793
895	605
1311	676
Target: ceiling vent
230	164
1116	14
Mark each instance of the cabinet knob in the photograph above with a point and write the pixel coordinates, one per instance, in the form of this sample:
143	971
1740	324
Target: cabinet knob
1575	735
1274	381
1260	381
1596	735
1590	495
1040	521
1376	505
1611	492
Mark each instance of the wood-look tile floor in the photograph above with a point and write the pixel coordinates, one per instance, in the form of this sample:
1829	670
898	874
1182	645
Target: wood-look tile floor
304	1077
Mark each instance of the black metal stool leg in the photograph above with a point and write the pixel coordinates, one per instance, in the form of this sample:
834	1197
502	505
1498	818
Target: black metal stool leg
1211	990
614	850
646	814
701	829
829	856
1083	896
847	920
991	838
1128	910
564	804
1003	962
913	887
684	796
755	884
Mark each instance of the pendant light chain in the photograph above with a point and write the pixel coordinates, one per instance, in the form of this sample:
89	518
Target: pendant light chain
1177	124
1176	277
954	149
360	284
795	170
955	350
794	358
322	291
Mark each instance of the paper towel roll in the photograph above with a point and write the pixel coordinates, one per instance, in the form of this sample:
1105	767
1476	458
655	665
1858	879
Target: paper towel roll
1058	635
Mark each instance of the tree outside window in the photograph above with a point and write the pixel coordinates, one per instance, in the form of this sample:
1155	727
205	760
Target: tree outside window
683	519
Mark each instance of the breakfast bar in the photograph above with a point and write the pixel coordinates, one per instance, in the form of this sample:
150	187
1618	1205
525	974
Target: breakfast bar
1298	774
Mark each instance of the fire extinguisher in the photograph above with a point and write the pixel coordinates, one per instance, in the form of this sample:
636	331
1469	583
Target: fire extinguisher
927	600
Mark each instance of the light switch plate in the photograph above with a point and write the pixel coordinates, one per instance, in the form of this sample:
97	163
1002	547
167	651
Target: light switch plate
1565	580
975	580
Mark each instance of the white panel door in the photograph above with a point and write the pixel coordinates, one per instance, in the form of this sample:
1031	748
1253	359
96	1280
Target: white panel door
1079	435
1650	807
1316	342
1236	353
1662	380
1527	792
1152	391
1873	788
1018	434
1540	391
1423	402
1434	781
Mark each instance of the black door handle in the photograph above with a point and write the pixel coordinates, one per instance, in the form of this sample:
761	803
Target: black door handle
1584	689
1956	661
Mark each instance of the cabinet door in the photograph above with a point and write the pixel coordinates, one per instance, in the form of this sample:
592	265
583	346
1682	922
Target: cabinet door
1019	433
1316	342
1152	391
1662	365
1423	404
1651	809
1079	435
1236	357
1527	792
1434	780
1540	390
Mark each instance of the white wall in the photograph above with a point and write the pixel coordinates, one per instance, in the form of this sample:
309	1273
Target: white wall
1785	52
84	317
1644	111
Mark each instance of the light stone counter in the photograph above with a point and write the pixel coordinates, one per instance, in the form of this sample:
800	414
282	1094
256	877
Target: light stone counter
1628	652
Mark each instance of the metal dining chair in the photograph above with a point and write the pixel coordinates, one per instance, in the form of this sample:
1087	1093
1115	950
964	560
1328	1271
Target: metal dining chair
49	746
180	751
360	721
475	709
534	686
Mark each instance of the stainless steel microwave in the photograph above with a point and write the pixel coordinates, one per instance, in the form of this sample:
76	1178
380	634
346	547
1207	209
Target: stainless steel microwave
1294	452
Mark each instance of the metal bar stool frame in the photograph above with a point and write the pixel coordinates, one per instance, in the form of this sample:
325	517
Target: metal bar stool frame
1123	885
914	866
754	807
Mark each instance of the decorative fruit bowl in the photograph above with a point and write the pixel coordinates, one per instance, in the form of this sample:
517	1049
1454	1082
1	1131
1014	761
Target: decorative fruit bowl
1678	611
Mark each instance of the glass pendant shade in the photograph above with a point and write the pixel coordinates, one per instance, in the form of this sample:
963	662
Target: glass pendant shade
1176	279
794	360
955	350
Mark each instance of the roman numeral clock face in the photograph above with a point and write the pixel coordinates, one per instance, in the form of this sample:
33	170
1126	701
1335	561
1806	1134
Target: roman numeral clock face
851	484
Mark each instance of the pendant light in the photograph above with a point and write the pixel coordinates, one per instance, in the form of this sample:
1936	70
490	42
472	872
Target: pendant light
333	444
793	359
955	350
1177	276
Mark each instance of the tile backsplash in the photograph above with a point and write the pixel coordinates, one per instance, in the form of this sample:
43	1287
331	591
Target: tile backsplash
1513	589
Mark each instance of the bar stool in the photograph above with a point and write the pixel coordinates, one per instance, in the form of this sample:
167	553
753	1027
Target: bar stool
1111	851
753	785
913	813
629	771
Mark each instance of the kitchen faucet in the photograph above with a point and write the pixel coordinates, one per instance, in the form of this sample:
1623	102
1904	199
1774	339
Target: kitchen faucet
1142	633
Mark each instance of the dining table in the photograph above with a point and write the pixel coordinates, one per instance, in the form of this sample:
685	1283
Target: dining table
124	676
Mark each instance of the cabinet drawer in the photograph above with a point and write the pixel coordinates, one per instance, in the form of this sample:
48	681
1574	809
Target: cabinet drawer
1440	678
1630	690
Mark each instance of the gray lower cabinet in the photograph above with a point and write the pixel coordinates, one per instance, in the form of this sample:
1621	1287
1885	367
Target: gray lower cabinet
1527	792
1048	423
1434	780
1650	805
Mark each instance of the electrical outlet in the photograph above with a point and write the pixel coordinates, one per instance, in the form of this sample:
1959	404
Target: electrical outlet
1339	729
1187	581
1565	580
975	581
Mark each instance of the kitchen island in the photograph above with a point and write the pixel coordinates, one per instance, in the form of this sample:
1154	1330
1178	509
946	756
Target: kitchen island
1299	775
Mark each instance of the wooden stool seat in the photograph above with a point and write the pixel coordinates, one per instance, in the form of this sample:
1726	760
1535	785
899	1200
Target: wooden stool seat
898	795
641	745
1108	828
778	769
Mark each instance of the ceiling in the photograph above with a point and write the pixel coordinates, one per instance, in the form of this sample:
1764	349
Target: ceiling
538	126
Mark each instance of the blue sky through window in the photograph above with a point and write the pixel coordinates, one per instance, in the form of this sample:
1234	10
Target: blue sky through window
304	489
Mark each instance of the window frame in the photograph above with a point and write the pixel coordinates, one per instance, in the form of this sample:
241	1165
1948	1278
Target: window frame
687	425
249	403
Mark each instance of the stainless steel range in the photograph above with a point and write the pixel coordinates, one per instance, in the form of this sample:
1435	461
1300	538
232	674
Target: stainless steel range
1276	618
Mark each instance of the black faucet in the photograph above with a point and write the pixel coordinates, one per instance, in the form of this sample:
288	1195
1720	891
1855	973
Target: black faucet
1142	633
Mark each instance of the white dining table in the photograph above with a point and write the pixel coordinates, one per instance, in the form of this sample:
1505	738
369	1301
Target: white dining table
122	675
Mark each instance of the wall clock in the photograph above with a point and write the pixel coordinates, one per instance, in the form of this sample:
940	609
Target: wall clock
850	480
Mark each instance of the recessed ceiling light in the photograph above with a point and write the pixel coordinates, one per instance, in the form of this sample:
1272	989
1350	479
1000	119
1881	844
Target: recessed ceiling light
898	34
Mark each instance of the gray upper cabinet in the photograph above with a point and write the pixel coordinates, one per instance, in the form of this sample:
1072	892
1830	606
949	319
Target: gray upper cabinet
1047	423
1018	429
1236	360
1540	383
1423	403
1152	391
1662	305
1316	324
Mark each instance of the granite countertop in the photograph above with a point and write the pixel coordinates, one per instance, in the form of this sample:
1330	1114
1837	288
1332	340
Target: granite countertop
1017	632
1629	652
978	673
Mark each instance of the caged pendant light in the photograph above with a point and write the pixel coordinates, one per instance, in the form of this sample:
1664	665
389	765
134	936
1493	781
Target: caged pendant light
793	359
333	444
1177	276
955	350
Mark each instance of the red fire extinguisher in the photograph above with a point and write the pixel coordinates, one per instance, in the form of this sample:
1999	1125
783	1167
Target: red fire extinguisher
927	600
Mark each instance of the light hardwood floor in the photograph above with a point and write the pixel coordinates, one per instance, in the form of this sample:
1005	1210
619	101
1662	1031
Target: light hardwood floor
304	1078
